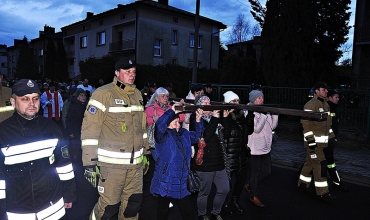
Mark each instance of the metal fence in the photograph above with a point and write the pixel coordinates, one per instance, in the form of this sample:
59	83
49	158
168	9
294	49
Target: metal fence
353	109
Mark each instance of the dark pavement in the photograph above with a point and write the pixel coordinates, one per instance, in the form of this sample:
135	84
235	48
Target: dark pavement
278	191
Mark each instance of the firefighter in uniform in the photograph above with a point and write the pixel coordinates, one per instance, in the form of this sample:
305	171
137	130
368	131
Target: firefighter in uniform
333	96
36	175
6	109
113	138
317	134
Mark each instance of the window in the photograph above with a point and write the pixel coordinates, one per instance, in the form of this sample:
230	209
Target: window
157	47
83	28
176	20
190	64
101	22
100	38
13	58
174	61
41	52
192	40
174	36
83	42
123	16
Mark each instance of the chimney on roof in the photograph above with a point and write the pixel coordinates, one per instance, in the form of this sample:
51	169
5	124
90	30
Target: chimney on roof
89	14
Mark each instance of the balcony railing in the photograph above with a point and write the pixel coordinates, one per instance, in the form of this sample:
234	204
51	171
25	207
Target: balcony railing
128	44
364	34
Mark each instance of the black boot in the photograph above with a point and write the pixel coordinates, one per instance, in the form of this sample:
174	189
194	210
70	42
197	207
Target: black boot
340	187
237	208
227	209
204	217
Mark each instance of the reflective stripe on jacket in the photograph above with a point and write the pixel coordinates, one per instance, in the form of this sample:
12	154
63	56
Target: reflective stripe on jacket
115	122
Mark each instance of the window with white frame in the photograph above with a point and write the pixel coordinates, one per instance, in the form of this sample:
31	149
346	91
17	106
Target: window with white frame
190	64
174	61
192	40
41	52
174	36
157	47
100	38
83	42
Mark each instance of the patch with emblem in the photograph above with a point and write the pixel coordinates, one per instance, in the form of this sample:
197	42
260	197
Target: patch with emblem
65	151
100	189
313	156
321	110
92	109
119	101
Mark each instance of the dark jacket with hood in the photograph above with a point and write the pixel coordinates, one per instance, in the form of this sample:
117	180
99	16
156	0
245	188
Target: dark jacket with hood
171	168
236	131
213	159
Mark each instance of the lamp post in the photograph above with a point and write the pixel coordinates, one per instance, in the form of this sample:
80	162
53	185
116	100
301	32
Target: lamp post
196	42
210	57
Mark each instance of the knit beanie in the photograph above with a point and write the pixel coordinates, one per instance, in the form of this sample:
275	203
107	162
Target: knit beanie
229	95
254	94
200	98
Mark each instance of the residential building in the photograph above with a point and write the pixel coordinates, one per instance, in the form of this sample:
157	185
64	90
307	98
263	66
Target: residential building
3	60
40	45
361	45
148	32
13	55
246	48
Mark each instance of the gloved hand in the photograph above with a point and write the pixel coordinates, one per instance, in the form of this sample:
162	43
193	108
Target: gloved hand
145	164
92	175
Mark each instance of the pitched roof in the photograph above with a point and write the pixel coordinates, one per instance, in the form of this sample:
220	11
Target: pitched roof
152	4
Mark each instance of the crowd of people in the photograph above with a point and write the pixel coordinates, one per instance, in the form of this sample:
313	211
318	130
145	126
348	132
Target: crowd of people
135	148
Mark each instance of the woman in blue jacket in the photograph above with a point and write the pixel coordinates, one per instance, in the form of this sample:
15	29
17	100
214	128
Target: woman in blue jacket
171	168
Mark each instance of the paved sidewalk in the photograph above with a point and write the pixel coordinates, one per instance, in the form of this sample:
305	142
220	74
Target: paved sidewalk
351	165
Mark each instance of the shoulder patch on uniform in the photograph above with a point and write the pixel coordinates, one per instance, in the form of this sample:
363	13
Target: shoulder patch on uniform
100	189
92	109
65	151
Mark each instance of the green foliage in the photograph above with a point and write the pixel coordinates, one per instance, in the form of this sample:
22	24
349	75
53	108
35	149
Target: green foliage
239	70
300	41
25	66
258	11
95	69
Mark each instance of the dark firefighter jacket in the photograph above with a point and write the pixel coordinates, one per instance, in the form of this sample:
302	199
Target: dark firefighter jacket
35	170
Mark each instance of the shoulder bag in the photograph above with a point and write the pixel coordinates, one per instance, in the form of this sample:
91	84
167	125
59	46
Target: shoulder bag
150	130
193	182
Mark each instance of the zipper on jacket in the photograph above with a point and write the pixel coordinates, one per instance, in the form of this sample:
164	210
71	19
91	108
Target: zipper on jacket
33	195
